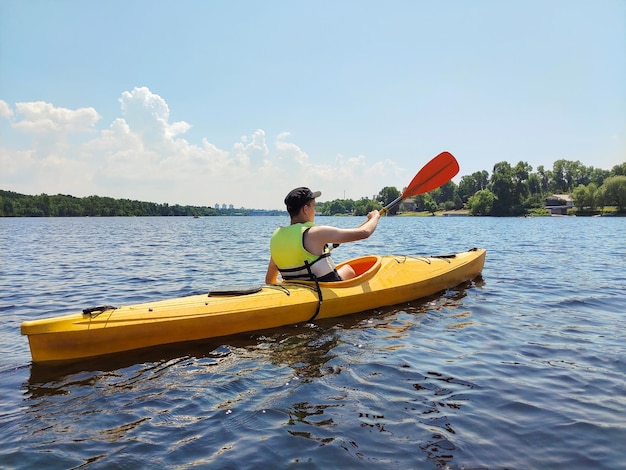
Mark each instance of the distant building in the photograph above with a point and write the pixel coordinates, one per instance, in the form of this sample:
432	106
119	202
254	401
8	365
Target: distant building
408	206
558	204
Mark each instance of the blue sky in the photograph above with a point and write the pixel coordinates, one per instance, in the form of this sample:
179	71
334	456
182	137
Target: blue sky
237	102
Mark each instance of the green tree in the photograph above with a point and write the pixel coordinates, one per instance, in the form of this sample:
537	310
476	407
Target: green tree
592	196
481	203
576	173
521	191
337	207
568	174
387	195
558	184
430	204
618	170
364	206
419	202
445	193
458	202
600	197
534	184
501	185
544	176
597	176
349	206
535	197
580	196
614	192
470	185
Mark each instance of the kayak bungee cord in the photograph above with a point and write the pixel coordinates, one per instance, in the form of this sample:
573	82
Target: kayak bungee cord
319	291
319	300
93	312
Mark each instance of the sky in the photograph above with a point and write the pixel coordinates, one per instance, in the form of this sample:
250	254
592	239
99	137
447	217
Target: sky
199	102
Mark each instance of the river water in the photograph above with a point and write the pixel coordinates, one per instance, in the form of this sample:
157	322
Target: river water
524	368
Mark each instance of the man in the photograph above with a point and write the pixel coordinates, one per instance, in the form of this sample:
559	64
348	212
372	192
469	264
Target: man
300	250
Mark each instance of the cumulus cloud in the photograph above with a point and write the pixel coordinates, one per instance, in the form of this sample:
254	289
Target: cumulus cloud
148	115
288	151
141	155
40	117
254	148
5	110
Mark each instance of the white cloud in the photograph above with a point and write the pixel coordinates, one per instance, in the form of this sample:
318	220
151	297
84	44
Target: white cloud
5	110
13	162
41	117
148	115
249	151
141	155
287	151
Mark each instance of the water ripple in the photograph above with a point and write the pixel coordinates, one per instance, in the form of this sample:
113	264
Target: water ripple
523	368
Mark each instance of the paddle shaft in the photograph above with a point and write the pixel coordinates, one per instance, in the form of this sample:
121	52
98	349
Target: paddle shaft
390	206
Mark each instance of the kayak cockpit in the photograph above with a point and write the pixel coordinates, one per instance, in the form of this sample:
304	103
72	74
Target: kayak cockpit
365	268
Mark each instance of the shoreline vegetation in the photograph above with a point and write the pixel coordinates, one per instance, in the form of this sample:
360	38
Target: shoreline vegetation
22	205
514	191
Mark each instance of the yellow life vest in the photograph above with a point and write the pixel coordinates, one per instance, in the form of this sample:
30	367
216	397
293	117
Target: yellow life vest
294	261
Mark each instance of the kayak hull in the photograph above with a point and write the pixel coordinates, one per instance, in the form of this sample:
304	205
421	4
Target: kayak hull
381	281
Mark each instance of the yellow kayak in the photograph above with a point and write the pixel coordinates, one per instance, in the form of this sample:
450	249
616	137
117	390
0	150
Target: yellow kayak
380	281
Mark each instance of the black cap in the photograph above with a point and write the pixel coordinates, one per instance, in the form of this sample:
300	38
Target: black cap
299	197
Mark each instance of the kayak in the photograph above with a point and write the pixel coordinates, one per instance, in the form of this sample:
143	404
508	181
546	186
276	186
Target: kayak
380	281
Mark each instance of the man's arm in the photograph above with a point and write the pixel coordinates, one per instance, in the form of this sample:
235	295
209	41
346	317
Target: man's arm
272	273
318	236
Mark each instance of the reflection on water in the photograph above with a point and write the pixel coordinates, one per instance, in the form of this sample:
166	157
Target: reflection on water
521	369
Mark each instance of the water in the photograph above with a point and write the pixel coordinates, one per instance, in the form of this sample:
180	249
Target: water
523	368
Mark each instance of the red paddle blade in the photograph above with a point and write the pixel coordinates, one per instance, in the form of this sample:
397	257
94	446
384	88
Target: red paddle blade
434	174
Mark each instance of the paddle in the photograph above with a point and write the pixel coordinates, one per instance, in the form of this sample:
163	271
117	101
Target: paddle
434	174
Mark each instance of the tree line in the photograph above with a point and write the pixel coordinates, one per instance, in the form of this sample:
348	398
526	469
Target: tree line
20	205
517	190
508	191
